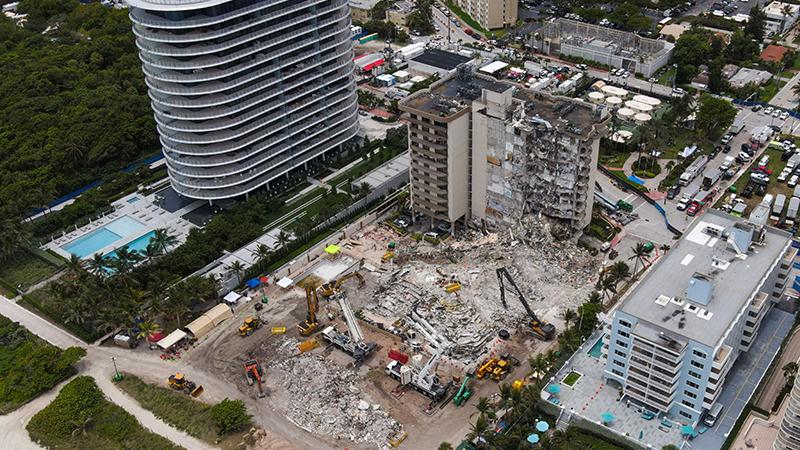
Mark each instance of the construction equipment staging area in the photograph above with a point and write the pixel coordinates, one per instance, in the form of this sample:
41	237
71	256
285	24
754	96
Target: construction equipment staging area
391	347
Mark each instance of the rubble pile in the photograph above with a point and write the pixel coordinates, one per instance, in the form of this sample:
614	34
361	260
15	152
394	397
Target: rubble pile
324	398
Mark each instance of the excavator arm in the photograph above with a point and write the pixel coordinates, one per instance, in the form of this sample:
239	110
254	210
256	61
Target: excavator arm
545	330
312	302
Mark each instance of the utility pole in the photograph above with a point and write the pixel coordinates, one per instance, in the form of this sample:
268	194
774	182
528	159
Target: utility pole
117	375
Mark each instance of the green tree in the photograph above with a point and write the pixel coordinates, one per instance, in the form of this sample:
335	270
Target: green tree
716	82
742	48
445	446
714	116
421	18
230	416
639	252
790	370
162	240
755	24
692	50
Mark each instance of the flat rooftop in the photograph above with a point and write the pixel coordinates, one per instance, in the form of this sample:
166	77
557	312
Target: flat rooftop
706	267
441	59
453	95
386	171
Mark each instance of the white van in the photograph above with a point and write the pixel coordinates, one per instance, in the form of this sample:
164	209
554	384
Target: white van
713	415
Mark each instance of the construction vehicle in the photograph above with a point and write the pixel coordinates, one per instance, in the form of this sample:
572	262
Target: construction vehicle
328	289
254	373
249	326
180	383
310	325
464	393
424	380
505	364
354	344
539	328
486	368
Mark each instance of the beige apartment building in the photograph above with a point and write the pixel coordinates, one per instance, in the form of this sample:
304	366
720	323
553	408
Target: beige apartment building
491	14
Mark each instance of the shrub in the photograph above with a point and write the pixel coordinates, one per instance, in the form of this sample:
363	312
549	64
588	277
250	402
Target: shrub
230	415
79	398
417	236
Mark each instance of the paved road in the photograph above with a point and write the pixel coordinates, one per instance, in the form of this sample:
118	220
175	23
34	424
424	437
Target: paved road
444	24
38	326
791	353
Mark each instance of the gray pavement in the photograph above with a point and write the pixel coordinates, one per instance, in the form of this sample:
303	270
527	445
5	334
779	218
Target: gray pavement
786	98
745	375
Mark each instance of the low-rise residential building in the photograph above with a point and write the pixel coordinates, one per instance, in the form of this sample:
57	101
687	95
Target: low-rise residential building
491	14
604	45
676	335
361	10
483	150
746	75
780	17
399	11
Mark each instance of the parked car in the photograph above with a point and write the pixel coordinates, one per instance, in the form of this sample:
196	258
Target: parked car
792	181
768	110
693	209
673	191
756	108
726	148
784	175
726	138
776	113
402	222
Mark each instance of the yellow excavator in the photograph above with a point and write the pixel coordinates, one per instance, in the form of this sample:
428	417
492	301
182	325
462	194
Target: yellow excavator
180	383
328	289
249	326
310	325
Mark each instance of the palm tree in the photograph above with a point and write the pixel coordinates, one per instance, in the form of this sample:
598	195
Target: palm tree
162	240
238	269
619	271
97	265
639	252
282	238
151	251
595	297
539	365
445	446
569	316
607	285
664	248
147	329
75	265
178	306
82	425
479	428
124	259
483	406
790	370
262	252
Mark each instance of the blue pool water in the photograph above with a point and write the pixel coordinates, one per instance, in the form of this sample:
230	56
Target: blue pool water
139	244
91	243
596	350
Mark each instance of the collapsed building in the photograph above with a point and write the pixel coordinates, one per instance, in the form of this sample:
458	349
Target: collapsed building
489	151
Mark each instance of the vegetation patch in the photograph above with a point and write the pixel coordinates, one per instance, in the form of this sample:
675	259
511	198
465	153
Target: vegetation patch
29	365
24	269
571	378
212	424
81	418
465	17
646	167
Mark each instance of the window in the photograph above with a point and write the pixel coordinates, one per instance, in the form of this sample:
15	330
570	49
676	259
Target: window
684	414
776	294
622	344
625	324
695	374
699	354
623	333
690	395
697	364
619	363
692	384
616	372
688	403
752	314
620	353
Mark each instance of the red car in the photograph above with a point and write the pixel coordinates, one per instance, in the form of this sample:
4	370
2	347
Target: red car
762	169
693	209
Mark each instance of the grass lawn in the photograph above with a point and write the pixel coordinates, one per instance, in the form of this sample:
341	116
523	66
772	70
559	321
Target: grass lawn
666	77
766	93
179	410
615	160
81	418
572	378
465	17
25	270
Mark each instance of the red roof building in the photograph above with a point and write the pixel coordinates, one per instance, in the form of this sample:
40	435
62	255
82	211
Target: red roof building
774	53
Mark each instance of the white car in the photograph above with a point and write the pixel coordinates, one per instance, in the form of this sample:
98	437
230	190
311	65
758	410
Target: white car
768	110
784	175
792	181
784	115
776	113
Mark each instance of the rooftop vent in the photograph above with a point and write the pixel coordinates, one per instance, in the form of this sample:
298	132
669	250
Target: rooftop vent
662	300
705	314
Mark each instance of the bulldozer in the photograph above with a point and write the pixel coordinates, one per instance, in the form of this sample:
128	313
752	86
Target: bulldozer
254	373
310	325
180	383
486	368
505	364
328	289
249	326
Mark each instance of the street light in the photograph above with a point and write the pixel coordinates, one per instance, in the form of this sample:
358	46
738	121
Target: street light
117	375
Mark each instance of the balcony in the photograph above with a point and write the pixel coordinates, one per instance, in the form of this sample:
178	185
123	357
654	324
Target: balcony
144	18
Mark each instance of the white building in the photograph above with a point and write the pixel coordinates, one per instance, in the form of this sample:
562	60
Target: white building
491	14
780	17
245	91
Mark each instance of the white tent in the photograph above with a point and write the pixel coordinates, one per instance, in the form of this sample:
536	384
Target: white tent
171	339
232	297
285	282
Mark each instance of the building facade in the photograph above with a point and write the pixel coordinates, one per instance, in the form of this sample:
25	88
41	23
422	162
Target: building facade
361	10
483	150
604	45
780	17
789	434
491	14
245	91
672	342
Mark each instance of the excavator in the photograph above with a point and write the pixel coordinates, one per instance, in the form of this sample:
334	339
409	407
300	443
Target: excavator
249	326
328	289
253	373
464	393
539	328
180	383
310	325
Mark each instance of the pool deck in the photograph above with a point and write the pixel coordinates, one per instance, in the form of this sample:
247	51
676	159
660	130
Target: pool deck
144	210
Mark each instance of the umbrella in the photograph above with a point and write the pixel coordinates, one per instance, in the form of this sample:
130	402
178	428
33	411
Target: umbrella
554	389
332	249
264	280
533	439
542	426
687	430
253	283
607	417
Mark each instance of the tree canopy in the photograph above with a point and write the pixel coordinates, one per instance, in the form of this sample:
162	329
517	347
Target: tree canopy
714	115
73	103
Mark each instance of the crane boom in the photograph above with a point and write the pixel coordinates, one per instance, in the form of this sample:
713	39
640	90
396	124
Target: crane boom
542	329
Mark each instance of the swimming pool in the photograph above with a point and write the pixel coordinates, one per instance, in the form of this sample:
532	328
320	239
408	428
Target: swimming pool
106	235
139	244
597	349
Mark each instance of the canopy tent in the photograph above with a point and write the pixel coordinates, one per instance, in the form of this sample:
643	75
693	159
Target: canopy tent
542	426
219	313
533	438
607	417
171	339
285	282
253	283
332	249
264	279
232	297
200	327
156	336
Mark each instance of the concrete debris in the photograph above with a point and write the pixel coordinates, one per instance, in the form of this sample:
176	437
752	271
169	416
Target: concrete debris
323	398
